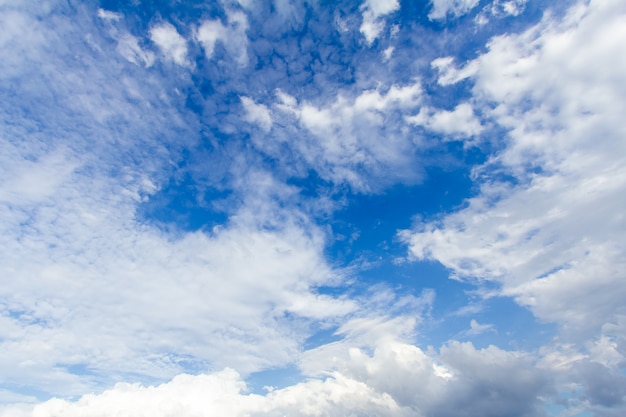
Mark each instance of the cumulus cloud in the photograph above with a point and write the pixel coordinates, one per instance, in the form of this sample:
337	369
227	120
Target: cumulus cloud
231	35
172	45
460	122
97	293
106	294
364	376
257	113
499	9
353	139
551	233
455	8
373	11
529	237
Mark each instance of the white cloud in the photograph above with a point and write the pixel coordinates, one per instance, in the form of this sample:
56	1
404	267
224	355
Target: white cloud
373	11
553	236
476	328
232	36
223	393
448	74
553	239
443	8
460	122
32	181
128	46
109	15
226	293
387	53
354	139
92	286
500	8
257	113
170	42
370	372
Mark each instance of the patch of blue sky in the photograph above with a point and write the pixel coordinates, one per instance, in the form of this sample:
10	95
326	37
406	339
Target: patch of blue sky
185	205
269	380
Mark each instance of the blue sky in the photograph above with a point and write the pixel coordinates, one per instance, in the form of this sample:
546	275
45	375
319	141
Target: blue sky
268	208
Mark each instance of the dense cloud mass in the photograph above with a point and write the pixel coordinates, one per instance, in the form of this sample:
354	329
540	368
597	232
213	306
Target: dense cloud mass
282	208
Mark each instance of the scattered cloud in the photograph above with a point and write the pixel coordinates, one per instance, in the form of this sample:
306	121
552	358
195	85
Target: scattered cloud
231	35
175	237
389	378
354	139
172	45
257	113
460	122
109	15
455	8
373	11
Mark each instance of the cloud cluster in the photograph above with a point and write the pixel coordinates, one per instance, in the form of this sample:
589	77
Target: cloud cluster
96	293
384	376
550	232
373	11
358	141
231	35
455	8
172	45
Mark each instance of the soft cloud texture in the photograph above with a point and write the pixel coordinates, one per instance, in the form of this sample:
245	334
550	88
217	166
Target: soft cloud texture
176	235
172	45
460	122
373	11
455	8
551	236
353	139
257	113
105	294
387	378
231	35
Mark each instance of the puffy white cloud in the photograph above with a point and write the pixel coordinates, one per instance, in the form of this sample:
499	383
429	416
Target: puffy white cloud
375	374
223	393
555	240
257	113
373	11
443	8
172	45
94	293
353	140
460	122
500	8
231	35
552	234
